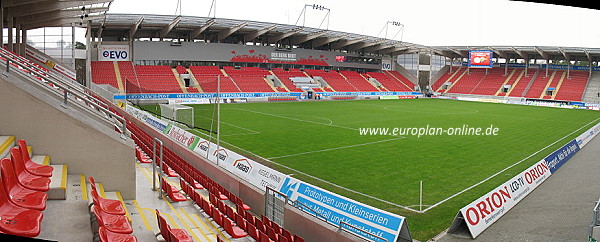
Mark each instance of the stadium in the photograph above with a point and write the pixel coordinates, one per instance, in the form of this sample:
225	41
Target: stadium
153	127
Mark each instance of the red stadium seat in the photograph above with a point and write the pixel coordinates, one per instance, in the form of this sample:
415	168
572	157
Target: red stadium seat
25	178
109	206
172	191
114	223
109	236
233	231
170	234
30	166
252	231
17	220
18	194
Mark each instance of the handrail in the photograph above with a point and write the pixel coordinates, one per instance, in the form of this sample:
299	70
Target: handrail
160	164
68	89
303	206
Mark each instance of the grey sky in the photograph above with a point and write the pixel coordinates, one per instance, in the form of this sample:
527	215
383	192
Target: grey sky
427	22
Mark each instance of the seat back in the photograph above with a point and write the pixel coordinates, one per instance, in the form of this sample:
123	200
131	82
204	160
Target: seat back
163	226
9	177
24	152
240	221
252	231
95	197
17	160
92	181
98	214
3	192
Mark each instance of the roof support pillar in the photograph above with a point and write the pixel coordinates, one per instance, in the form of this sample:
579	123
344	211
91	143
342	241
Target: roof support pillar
10	32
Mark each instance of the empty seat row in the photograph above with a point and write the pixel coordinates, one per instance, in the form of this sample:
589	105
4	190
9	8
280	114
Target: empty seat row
110	217
191	180
23	185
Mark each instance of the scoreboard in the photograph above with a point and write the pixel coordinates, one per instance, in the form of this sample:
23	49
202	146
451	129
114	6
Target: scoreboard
480	58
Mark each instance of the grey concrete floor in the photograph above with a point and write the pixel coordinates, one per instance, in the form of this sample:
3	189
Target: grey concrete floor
560	209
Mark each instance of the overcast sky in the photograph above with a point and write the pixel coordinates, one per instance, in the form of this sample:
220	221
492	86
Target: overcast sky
426	22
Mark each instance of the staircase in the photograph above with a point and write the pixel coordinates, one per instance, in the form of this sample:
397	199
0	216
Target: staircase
592	91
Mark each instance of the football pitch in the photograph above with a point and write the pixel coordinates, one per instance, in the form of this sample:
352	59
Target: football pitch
379	151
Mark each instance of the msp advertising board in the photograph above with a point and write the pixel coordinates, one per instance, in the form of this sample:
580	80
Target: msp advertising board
477	216
480	58
335	208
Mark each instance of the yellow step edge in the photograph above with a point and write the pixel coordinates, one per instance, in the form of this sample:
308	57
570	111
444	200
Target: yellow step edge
187	227
548	84
100	187
515	83
142	215
505	81
65	173
562	78
9	142
83	183
124	205
194	223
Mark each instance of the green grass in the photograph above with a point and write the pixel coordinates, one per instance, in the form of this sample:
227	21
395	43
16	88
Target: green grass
294	134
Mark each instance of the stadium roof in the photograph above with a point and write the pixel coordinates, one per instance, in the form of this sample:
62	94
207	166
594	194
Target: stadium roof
526	52
241	31
32	14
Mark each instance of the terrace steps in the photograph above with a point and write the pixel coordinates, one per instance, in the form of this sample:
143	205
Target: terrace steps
179	81
505	81
560	82
457	80
118	76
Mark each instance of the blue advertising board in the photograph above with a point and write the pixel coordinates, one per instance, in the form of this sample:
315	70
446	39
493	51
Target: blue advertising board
336	209
561	156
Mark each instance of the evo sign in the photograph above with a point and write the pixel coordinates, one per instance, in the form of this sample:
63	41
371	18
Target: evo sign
114	53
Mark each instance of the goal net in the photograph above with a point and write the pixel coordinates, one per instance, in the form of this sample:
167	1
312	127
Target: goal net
179	113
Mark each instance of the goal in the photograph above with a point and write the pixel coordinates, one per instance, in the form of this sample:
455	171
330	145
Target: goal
179	113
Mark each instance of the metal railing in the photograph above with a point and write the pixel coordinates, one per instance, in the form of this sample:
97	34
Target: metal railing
69	93
156	142
595	220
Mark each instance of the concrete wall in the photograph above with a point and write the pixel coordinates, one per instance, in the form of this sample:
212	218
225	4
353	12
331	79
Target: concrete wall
68	135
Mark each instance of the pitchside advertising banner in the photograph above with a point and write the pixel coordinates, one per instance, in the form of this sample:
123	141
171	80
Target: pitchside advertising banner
480	58
484	211
182	96
333	207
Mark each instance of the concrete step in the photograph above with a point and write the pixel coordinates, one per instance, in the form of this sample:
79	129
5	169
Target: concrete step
67	220
6	142
58	184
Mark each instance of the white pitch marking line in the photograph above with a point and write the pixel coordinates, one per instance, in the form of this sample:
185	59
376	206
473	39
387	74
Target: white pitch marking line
319	179
336	148
239	127
295	119
503	170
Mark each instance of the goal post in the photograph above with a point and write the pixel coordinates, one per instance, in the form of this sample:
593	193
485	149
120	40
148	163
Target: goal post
179	113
